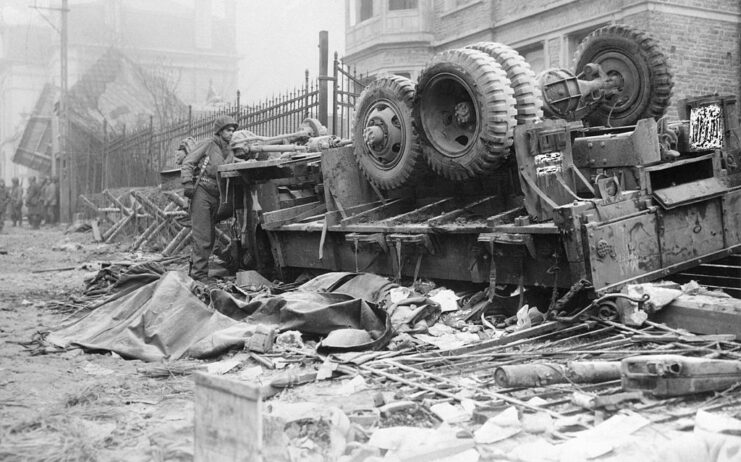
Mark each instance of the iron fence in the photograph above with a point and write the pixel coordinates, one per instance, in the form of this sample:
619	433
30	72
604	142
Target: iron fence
347	85
135	157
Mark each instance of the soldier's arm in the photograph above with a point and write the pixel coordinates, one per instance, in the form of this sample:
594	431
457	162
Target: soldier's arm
191	161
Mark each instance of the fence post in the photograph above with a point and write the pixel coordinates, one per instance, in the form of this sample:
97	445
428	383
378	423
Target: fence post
334	93
239	105
125	157
190	119
150	154
323	77
105	154
306	93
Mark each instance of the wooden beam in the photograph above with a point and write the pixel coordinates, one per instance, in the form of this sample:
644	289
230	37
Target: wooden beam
387	210
702	314
282	216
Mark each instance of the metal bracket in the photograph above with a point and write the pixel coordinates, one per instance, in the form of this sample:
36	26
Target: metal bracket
374	238
494	239
421	240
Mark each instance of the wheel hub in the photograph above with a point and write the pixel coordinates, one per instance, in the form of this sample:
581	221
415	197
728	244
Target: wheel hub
374	137
623	74
383	134
449	116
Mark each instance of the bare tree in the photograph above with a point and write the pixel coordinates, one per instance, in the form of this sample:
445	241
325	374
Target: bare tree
161	82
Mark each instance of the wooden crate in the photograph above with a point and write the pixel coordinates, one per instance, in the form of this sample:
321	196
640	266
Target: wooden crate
228	420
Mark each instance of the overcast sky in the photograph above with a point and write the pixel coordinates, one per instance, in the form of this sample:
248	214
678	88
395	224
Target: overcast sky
277	39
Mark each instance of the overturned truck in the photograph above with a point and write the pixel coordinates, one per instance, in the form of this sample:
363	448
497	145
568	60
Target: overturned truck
483	172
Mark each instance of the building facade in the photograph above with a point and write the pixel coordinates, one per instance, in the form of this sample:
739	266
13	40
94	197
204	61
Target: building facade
25	56
701	38
191	45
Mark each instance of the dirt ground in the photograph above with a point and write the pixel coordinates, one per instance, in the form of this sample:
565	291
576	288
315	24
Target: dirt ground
75	406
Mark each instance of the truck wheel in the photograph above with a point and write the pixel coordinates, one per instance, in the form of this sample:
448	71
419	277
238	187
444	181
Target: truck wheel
386	145
465	114
635	61
527	94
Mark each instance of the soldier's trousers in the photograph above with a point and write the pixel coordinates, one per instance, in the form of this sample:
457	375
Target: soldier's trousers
50	214
16	215
203	207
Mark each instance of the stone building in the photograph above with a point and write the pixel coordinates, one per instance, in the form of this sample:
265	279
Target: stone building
192	45
701	38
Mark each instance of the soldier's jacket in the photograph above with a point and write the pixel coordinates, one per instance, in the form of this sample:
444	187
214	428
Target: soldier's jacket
218	153
33	195
16	196
4	198
50	193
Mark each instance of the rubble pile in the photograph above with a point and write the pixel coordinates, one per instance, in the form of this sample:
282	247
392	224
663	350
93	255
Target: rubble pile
355	367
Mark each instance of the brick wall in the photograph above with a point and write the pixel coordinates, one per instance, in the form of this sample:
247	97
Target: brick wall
392	59
453	24
704	54
701	38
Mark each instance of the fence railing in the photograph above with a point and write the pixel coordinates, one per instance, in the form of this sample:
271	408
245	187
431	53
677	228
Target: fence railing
134	158
347	86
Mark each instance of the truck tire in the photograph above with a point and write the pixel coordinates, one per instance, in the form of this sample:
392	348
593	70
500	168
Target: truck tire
528	103
386	146
633	57
465	114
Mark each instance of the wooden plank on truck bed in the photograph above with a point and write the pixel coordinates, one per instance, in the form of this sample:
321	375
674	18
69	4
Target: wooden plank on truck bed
279	217
387	210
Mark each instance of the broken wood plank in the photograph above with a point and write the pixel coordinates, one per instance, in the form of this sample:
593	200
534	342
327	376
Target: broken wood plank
541	329
179	248
96	230
125	210
49	270
592	401
176	241
118	227
702	314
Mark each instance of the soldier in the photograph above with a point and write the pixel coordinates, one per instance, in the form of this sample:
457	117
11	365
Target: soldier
33	203
4	201
50	201
16	203
203	191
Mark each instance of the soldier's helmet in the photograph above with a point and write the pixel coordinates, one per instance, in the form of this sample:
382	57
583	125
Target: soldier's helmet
224	121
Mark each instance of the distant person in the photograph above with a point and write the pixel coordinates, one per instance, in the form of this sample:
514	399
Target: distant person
16	203
203	191
50	193
4	201
34	203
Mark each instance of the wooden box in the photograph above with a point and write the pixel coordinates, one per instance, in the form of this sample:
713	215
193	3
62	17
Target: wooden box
228	420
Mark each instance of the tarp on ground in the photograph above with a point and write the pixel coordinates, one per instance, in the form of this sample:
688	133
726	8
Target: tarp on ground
160	320
349	323
164	320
